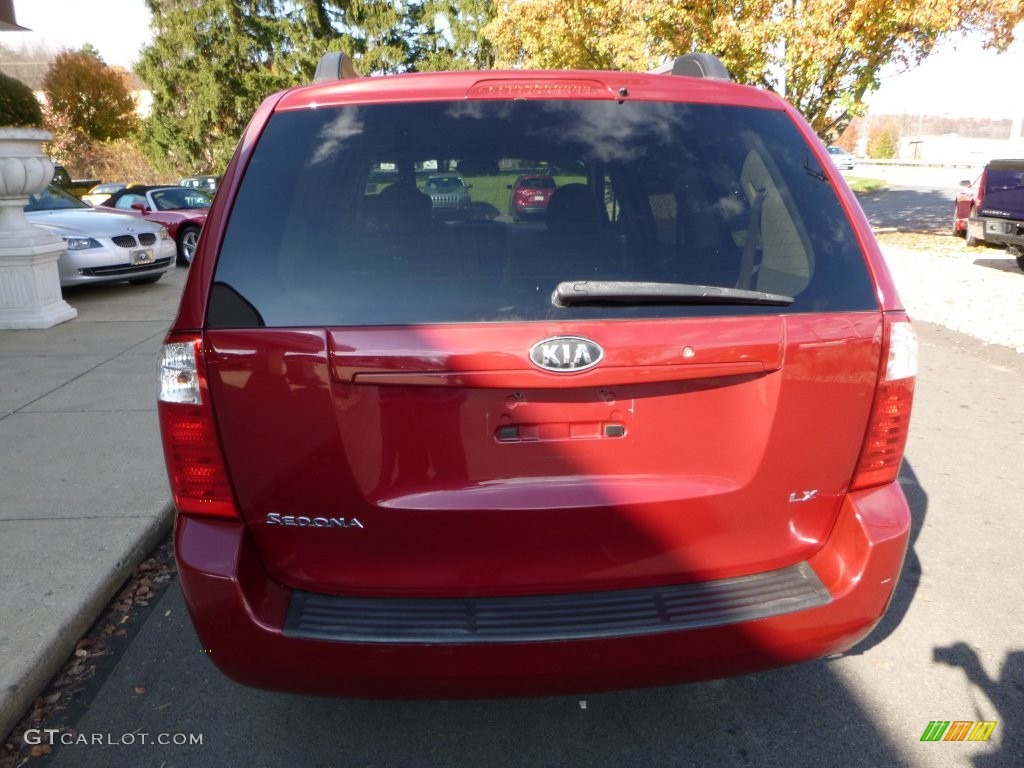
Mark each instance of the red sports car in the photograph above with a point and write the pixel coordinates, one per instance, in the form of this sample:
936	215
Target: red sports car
181	209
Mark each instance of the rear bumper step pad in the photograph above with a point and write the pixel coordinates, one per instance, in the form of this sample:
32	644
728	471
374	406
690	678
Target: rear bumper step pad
545	618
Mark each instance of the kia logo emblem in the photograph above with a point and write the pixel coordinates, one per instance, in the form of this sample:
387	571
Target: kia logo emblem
566	354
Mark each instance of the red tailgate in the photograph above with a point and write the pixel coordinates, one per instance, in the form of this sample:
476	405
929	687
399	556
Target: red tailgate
438	460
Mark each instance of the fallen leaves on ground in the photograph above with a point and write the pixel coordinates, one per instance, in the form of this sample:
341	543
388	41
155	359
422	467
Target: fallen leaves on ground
941	243
141	587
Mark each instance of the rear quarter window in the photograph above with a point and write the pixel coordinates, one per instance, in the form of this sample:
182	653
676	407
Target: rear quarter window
1004	190
333	226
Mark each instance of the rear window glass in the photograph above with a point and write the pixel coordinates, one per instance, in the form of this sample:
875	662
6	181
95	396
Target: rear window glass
334	223
537	183
1004	190
445	182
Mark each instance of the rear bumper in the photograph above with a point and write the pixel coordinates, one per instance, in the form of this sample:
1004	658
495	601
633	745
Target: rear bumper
240	615
997	231
530	208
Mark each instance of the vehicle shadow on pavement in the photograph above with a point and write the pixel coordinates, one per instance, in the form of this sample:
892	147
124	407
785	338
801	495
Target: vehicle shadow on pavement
1005	693
803	715
1008	264
909	210
910	576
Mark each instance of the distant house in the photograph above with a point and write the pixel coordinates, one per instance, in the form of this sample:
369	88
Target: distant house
141	94
7	21
32	71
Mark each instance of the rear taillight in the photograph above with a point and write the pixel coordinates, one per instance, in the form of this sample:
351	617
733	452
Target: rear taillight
195	464
889	426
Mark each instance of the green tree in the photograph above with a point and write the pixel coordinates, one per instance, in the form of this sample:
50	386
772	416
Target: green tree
822	55
87	98
445	34
18	105
212	62
209	65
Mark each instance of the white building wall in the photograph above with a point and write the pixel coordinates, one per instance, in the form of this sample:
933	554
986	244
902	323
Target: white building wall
957	150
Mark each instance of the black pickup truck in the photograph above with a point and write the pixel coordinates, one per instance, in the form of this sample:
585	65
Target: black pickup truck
997	213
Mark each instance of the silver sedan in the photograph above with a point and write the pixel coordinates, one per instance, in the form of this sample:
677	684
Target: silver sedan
101	247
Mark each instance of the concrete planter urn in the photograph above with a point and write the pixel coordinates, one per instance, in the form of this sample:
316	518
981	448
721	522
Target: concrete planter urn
30	295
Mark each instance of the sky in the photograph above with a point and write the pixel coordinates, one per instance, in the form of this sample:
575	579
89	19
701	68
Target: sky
960	80
116	28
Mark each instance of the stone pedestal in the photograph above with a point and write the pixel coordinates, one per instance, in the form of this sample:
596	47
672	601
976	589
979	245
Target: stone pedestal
30	295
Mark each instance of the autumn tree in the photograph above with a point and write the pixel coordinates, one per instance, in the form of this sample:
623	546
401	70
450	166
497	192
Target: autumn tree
884	144
88	99
824	56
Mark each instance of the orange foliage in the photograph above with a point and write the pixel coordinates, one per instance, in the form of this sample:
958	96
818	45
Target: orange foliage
823	55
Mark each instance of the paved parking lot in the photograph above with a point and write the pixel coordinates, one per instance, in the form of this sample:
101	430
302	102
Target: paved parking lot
949	649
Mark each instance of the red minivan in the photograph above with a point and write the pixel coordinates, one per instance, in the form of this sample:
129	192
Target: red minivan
652	437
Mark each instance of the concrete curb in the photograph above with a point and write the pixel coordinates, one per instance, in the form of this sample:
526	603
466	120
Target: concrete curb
85	495
59	642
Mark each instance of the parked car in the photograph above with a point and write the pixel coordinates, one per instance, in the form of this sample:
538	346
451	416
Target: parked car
181	209
656	439
206	183
530	196
968	198
993	206
61	178
101	192
843	160
101	248
448	191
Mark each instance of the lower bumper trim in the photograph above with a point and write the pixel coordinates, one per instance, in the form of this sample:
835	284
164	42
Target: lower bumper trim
124	269
546	618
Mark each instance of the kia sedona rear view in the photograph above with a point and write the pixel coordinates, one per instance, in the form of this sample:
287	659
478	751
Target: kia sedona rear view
648	434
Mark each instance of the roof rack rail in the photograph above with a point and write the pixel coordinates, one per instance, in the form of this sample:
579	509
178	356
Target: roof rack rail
335	65
695	65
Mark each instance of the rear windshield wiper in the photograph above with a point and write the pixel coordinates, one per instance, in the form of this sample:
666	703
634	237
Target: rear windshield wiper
814	172
576	293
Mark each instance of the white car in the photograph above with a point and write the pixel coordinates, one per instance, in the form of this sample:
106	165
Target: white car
843	160
102	192
101	247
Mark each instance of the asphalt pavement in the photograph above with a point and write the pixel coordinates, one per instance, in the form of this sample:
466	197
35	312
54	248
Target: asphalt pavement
948	649
83	490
